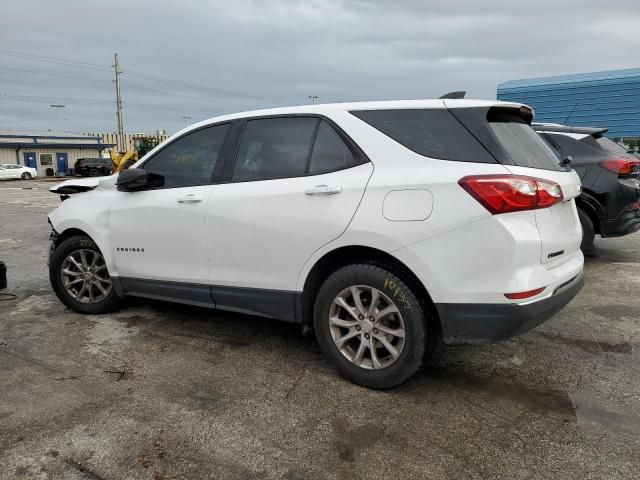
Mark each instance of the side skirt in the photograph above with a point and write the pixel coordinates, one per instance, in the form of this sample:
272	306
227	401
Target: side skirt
277	304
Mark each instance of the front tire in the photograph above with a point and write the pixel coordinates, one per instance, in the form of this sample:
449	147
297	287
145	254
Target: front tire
371	327
79	277
588	231
26	176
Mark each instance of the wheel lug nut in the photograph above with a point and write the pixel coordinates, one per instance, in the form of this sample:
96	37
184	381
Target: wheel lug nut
366	335
375	330
360	317
358	327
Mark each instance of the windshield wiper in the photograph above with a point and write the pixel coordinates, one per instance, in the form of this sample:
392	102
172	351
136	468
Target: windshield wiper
566	161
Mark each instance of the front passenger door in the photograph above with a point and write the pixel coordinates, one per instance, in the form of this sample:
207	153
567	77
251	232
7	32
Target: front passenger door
158	233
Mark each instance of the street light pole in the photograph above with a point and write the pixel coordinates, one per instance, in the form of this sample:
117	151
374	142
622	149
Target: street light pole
58	108
187	119
313	99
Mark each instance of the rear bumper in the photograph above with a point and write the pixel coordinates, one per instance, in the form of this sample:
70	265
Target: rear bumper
478	323
628	222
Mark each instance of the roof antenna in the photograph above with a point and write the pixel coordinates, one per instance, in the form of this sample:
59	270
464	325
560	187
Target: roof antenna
570	113
459	94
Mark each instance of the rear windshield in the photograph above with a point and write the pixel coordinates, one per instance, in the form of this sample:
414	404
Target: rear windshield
520	142
610	146
434	133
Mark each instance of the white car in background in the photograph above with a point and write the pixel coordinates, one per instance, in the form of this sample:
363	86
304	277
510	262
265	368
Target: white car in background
384	226
11	170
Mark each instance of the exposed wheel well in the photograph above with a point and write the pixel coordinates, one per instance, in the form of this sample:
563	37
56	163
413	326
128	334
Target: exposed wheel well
359	254
591	213
69	232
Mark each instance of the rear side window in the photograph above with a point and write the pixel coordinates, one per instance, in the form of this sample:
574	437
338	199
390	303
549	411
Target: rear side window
274	148
434	133
330	153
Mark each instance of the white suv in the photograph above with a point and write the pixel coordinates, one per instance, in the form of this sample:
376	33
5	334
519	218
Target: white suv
385	226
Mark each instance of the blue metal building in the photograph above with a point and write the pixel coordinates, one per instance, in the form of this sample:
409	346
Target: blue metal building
599	99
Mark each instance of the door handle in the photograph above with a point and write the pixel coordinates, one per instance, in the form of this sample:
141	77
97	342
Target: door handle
324	190
190	198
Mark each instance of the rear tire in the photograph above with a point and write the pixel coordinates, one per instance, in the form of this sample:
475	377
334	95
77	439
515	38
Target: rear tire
588	231
26	176
79	277
365	345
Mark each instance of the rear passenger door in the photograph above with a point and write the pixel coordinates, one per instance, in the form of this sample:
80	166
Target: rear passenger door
293	186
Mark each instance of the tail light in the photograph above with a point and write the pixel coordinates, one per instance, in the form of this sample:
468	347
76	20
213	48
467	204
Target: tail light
511	193
621	166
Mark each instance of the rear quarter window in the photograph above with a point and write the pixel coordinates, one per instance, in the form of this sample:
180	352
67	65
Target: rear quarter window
433	133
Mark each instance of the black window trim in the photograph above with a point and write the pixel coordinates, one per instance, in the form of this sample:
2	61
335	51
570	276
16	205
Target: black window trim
359	157
217	169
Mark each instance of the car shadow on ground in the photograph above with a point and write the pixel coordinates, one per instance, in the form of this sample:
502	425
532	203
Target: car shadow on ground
467	370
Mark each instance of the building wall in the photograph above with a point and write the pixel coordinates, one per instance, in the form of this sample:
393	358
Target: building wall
112	138
600	99
8	155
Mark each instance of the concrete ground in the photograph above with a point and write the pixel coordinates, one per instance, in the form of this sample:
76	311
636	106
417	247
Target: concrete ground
160	391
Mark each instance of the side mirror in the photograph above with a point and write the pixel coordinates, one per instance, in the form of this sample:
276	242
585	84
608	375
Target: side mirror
132	180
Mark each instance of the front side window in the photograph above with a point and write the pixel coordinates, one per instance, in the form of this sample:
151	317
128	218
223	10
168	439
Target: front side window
188	161
274	148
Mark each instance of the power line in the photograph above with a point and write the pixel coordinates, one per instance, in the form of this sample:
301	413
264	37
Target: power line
82	101
130	85
60	61
157	78
73	77
194	85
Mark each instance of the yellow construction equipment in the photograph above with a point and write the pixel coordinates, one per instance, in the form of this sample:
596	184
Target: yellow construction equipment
123	160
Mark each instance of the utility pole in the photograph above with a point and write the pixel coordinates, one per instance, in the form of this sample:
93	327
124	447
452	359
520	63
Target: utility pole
59	109
313	99
187	119
116	66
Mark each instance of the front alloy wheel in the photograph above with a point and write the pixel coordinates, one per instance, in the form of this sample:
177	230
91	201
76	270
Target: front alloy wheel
367	327
85	277
80	278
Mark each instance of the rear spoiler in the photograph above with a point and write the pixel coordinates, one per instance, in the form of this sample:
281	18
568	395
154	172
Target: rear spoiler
595	131
452	95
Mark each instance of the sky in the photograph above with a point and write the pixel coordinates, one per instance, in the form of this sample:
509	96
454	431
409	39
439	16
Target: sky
190	60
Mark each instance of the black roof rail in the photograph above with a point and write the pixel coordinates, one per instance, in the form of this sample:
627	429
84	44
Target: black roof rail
545	127
458	94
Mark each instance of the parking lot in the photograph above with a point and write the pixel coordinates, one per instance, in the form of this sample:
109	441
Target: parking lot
160	391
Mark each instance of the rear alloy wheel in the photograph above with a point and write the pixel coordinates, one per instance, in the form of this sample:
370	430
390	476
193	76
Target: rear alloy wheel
367	327
371	326
80	278
26	176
